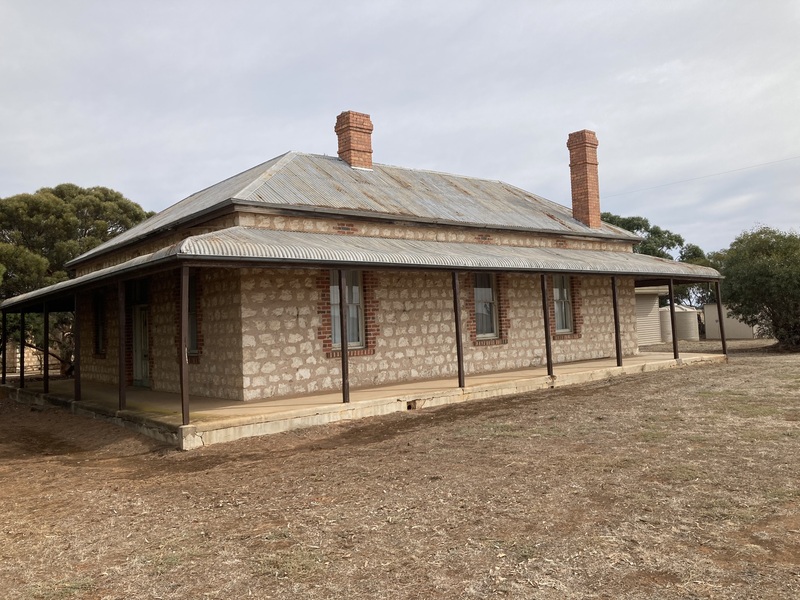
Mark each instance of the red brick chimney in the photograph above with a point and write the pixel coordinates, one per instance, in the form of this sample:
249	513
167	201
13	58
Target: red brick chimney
583	171
354	131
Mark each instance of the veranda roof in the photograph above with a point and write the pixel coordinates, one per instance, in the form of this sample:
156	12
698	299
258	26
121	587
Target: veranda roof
241	246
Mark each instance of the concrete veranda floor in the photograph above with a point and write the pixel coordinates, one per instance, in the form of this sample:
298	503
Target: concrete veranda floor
213	420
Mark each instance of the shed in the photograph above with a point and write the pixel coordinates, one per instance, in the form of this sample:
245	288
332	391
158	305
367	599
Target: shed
734	328
648	324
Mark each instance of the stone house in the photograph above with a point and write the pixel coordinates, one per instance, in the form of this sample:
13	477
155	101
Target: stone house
236	292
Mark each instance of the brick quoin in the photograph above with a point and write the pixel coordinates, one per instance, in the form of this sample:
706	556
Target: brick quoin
582	147
194	357
128	343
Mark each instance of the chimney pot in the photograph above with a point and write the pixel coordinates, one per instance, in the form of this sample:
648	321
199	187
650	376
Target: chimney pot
354	131
582	147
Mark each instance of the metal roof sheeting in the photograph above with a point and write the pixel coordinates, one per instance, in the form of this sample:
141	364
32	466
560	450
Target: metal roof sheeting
298	181
309	248
70	285
241	244
198	203
328	182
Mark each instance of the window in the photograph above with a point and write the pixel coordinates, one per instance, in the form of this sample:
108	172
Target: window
354	310
486	325
193	320
562	298
99	324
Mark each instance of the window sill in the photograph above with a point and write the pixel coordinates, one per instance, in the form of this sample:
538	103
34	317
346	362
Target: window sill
566	336
350	352
489	341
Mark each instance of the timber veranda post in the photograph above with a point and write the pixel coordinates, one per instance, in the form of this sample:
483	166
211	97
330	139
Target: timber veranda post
76	365
721	316
46	349
676	355
22	349
548	345
459	342
183	358
121	341
617	338
5	346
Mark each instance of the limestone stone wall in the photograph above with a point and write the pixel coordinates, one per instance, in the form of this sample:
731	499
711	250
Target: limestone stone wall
427	233
416	330
597	328
127	253
103	367
281	354
262	332
413	335
521	343
216	371
163	321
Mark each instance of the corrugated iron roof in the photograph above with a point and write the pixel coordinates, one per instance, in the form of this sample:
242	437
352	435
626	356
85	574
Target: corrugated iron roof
241	244
299	181
309	248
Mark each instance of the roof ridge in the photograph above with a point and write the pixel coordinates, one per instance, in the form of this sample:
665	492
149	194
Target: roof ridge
430	171
283	160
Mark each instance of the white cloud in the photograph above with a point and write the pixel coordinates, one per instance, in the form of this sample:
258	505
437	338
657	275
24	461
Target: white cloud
160	99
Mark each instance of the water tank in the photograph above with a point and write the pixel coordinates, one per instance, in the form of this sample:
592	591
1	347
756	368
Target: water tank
685	324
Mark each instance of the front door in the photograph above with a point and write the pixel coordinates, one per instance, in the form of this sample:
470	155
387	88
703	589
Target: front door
141	346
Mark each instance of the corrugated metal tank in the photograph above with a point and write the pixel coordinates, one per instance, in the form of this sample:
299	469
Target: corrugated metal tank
685	324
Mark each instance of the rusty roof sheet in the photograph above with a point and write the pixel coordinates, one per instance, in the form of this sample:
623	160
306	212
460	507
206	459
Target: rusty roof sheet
308	182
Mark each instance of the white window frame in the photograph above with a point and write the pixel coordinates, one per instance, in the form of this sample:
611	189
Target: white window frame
354	299
562	302
488	304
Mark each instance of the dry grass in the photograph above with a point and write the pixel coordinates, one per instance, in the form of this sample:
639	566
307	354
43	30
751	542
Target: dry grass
678	484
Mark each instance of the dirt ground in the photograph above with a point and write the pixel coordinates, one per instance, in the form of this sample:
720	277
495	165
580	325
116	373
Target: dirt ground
676	484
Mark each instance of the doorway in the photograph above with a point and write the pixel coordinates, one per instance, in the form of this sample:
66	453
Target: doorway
141	346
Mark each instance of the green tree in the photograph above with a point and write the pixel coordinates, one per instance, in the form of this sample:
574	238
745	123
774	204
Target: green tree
663	243
41	232
696	294
60	223
762	282
656	241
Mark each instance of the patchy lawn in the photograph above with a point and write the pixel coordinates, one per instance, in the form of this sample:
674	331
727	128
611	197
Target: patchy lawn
677	484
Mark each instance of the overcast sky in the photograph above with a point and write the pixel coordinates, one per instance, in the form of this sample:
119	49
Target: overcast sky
159	98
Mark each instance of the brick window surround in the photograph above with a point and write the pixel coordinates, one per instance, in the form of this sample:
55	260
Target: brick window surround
503	322
577	304
193	355
325	329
